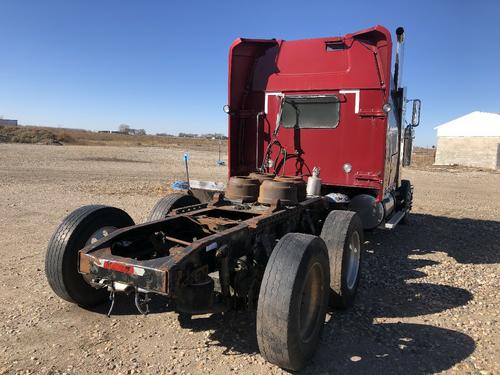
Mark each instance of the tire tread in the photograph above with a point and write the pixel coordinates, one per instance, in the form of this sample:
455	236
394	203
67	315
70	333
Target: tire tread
274	308
335	232
172	201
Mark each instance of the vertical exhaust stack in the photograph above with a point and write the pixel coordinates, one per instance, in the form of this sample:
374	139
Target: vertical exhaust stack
406	133
398	66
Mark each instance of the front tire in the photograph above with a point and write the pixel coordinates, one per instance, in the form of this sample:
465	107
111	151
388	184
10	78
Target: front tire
343	236
293	301
80	228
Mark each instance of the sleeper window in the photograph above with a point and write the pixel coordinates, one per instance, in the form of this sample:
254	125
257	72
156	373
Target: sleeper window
310	112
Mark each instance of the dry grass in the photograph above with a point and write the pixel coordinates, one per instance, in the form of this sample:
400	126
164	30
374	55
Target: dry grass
47	135
24	134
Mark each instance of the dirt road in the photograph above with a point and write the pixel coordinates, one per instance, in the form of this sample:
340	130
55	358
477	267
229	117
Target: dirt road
428	300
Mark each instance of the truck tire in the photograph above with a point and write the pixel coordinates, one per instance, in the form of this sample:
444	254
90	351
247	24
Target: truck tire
407	201
343	236
172	201
293	300
80	228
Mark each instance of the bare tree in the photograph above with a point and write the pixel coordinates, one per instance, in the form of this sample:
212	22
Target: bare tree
124	128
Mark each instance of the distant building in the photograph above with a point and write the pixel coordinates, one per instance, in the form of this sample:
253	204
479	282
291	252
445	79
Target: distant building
5	122
472	140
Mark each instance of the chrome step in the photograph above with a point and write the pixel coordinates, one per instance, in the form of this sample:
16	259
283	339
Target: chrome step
395	219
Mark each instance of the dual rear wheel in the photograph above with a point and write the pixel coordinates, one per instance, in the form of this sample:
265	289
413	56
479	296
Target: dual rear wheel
293	300
303	275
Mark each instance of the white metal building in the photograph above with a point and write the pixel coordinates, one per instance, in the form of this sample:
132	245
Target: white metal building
472	140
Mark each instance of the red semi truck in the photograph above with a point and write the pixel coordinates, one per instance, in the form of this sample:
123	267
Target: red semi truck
317	139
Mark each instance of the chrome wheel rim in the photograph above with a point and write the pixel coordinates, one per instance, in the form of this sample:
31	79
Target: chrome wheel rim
354	259
310	302
94	237
99	234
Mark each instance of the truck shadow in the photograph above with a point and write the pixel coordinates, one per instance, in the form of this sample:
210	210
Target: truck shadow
468	241
368	338
125	305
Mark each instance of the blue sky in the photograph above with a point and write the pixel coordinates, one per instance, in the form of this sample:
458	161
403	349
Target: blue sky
162	65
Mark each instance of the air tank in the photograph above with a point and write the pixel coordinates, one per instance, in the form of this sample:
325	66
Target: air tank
314	184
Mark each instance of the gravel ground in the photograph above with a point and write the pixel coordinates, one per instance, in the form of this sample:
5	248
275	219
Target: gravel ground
428	301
